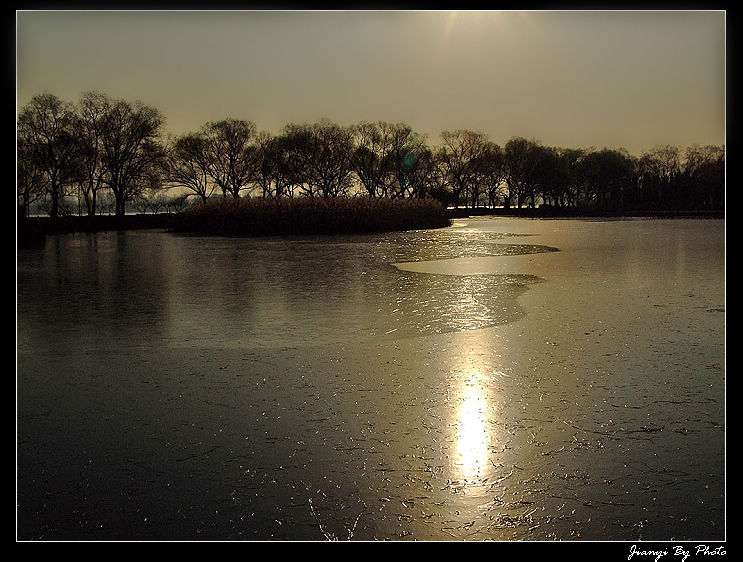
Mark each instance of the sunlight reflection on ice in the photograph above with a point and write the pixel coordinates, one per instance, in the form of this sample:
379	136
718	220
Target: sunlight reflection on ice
472	435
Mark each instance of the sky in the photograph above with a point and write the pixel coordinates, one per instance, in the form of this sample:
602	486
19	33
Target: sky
628	79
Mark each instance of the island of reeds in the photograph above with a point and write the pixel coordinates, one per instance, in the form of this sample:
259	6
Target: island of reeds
321	215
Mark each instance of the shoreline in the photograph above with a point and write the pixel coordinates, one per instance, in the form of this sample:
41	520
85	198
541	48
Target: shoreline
31	231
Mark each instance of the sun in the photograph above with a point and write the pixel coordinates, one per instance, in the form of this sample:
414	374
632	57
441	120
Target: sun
449	25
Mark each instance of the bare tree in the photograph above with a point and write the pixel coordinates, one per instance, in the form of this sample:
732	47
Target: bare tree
406	157
271	168
704	171
656	172
543	173
187	165
696	157
230	165
567	177
132	152
422	173
31	178
517	162
664	162
88	126
606	176
288	170
46	137
462	153
369	157
493	173
324	152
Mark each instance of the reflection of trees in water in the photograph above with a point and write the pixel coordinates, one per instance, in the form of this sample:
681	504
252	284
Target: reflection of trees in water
107	289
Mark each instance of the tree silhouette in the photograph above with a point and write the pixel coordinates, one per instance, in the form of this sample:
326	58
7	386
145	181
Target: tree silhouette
324	150
46	138
88	126
104	145
229	154
461	155
517	169
131	150
187	165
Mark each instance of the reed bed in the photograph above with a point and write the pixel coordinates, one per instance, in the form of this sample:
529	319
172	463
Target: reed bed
331	215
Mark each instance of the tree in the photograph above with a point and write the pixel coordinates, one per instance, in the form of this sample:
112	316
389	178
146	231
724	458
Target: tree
31	178
263	168
665	162
606	178
541	173
387	158
657	172
437	183
46	144
132	153
493	173
461	155
697	157
229	154
704	171
517	169
187	165
323	151
274	171
369	157
422	173
408	161
88	127
288	171
567	176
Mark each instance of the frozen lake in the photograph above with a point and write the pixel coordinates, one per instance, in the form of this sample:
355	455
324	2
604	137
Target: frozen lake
501	379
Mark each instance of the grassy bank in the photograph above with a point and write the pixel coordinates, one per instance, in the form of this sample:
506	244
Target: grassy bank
256	217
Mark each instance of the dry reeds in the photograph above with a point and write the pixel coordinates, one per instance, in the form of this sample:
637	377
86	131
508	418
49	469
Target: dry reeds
328	215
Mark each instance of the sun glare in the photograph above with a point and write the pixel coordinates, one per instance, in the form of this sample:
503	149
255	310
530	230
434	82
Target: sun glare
472	438
449	25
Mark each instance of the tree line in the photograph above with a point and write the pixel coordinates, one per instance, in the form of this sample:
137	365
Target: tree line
102	149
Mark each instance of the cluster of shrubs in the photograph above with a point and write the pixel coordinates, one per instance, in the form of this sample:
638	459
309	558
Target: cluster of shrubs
304	215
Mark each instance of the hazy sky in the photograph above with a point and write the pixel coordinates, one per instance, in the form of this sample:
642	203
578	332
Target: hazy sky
565	78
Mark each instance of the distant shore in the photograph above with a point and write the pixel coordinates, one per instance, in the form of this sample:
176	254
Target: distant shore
579	212
32	230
